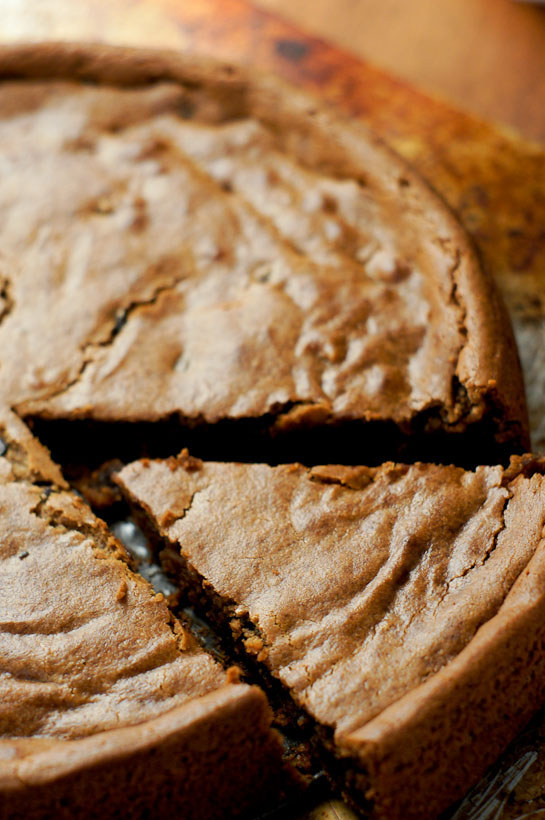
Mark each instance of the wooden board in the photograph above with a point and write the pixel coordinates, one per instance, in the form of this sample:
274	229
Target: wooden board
485	56
493	180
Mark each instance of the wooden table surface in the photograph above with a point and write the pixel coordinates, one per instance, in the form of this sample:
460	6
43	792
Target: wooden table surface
487	56
493	180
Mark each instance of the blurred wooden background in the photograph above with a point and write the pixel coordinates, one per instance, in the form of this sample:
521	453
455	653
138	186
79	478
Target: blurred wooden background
486	56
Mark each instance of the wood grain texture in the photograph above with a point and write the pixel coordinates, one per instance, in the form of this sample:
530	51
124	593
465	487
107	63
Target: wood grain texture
492	179
487	56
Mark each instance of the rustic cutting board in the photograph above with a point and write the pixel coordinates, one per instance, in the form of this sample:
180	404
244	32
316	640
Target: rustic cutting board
494	181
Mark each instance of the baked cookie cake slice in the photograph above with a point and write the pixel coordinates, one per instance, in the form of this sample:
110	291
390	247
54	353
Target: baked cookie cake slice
401	607
225	263
108	709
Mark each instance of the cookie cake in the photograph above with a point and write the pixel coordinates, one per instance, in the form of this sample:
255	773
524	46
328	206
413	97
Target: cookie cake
193	256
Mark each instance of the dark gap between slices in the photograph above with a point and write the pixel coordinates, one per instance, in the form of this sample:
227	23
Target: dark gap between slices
312	787
182	587
83	445
309	744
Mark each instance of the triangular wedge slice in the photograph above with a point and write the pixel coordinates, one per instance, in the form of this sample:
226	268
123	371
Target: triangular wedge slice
108	708
401	607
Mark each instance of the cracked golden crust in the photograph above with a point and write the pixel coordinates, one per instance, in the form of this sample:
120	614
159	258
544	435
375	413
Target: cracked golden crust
296	318
161	765
395	572
369	587
78	660
497	677
478	351
100	685
37	760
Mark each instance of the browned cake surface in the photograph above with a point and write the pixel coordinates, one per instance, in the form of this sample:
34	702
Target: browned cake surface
364	586
219	250
181	240
86	643
96	672
98	653
212	757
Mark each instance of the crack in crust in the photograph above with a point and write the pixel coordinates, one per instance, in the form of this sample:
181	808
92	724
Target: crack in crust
122	319
353	480
488	552
6	300
330	378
